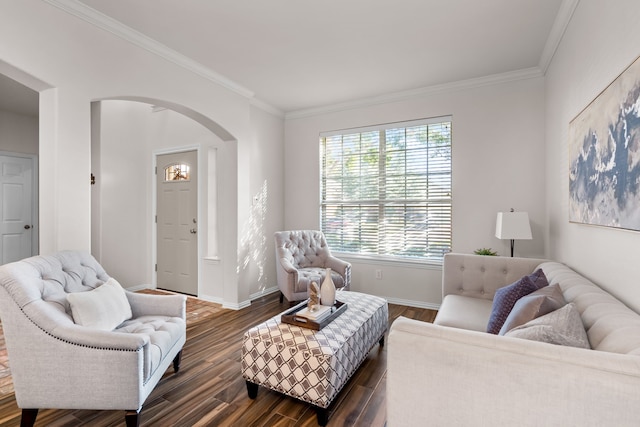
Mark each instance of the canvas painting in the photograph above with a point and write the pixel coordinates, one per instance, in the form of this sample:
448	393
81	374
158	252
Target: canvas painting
604	156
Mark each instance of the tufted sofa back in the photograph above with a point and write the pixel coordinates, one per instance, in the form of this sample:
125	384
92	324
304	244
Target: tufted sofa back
611	325
39	285
303	248
479	276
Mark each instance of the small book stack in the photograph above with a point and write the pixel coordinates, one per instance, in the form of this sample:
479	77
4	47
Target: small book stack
320	313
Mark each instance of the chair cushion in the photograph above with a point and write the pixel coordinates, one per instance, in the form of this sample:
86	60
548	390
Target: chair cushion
316	274
163	332
464	312
104	307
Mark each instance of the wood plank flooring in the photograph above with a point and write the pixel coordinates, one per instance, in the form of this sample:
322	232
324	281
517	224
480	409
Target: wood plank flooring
209	389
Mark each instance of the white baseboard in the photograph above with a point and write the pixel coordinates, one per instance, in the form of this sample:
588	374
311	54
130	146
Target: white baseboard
274	289
140	288
209	298
264	292
236	306
412	303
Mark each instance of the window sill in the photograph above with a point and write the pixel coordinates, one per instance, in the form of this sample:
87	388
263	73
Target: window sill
395	262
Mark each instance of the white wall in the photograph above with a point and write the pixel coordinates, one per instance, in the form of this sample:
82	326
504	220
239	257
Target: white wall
498	163
256	253
600	42
18	133
75	63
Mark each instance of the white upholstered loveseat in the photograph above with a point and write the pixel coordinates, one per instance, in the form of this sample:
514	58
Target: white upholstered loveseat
453	373
57	363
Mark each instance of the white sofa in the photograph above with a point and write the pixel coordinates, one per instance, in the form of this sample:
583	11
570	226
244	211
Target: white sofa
453	373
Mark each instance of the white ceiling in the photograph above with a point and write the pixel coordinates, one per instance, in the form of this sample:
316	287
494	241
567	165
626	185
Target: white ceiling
296	55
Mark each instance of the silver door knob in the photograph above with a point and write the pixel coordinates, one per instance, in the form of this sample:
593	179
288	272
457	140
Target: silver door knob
26	227
193	231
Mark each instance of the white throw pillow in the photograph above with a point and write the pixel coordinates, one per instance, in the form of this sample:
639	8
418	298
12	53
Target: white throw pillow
104	307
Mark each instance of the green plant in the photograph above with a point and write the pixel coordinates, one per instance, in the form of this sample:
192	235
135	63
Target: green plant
485	251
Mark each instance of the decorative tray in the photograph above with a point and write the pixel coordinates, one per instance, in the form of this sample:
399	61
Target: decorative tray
291	318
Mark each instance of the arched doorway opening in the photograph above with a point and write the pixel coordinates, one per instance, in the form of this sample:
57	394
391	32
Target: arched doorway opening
128	135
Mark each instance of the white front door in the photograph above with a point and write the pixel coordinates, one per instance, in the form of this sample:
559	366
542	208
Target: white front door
16	208
177	222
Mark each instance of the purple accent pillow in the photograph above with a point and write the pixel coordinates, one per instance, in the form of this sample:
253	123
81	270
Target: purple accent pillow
506	297
539	279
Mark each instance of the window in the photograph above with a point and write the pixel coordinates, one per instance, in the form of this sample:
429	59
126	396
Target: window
386	190
177	172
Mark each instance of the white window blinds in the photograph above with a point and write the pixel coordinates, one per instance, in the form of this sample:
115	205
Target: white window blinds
386	190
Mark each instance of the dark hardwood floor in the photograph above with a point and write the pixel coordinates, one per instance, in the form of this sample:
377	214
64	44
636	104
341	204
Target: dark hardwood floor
209	389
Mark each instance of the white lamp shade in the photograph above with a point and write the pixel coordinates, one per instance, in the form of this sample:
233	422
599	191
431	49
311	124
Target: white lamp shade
513	225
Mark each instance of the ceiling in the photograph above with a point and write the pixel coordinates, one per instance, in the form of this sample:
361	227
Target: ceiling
296	55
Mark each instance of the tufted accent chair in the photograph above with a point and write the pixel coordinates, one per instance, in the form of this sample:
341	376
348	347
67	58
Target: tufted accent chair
302	257
56	363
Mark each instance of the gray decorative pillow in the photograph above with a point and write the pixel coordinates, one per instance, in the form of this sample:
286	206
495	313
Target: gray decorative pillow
532	306
103	308
562	327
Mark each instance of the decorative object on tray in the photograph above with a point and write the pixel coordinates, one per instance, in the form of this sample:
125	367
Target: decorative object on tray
300	315
328	290
314	297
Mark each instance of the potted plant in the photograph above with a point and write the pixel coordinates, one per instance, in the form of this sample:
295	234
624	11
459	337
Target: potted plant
485	251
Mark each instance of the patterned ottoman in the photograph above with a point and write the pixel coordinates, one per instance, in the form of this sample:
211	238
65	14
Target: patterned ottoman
309	365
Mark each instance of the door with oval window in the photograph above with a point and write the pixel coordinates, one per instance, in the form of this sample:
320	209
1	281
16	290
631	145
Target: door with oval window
177	222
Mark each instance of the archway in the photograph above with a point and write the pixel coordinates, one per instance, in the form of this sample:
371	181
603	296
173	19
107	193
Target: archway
127	134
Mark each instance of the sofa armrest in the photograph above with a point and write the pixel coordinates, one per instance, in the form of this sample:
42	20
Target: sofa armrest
480	276
340	266
157	305
484	379
288	266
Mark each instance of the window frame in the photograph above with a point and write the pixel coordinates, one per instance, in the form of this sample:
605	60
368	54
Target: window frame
444	203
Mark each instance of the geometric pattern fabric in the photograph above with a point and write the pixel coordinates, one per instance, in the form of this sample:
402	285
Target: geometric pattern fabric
309	365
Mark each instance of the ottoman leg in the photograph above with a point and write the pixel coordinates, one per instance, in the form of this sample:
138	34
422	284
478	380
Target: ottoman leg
252	389
323	415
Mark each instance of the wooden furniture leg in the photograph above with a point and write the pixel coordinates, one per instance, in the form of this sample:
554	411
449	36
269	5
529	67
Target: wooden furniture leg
322	414
132	418
28	417
252	389
176	362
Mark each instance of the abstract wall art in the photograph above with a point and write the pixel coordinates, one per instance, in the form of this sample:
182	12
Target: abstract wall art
604	156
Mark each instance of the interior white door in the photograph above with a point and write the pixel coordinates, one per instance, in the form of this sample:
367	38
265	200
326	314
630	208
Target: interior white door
16	208
177	223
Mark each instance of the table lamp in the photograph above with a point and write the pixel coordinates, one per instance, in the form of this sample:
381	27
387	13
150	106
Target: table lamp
513	226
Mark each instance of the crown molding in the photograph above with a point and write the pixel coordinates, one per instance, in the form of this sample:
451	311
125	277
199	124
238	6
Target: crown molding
567	7
524	74
100	20
267	107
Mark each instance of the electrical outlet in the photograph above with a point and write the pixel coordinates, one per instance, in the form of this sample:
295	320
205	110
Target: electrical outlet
379	274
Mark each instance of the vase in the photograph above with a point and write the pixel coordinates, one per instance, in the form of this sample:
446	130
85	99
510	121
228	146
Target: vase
328	290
